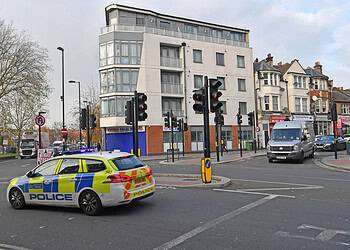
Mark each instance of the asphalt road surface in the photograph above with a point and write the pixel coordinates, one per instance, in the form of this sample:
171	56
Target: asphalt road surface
268	206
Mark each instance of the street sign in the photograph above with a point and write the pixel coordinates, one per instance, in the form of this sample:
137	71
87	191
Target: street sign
40	120
64	132
44	155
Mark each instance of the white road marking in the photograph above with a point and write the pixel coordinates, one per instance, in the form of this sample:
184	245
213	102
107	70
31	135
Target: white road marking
311	178
283	188
212	223
326	235
12	247
275	182
251	192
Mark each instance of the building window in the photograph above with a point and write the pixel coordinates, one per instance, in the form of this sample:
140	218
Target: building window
220	59
266	79
198	81
239	37
322	85
164	25
240	62
169	51
170	78
191	29
126	80
324	106
197	136
197	56
103	81
304	104
297	104
140	21
345	108
174	104
110	53
316	84
223	107
275	77
275	103
318	106
114	106
111	81
243	108
103	54
128	52
267	102
299	82
241	85
222	80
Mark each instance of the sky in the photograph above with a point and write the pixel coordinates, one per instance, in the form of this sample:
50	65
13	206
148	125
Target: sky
306	30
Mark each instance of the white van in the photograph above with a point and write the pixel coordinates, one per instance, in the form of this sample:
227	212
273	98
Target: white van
291	140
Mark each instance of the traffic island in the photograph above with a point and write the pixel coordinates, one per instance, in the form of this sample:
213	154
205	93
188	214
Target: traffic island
189	181
340	164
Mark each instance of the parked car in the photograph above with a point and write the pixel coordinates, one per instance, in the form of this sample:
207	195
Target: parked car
326	143
346	137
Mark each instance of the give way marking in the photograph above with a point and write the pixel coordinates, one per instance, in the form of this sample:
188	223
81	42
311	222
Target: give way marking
325	235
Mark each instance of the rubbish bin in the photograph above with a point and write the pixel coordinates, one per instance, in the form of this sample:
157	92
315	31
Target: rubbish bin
249	145
348	147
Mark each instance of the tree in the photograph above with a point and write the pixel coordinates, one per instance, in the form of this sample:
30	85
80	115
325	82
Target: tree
23	63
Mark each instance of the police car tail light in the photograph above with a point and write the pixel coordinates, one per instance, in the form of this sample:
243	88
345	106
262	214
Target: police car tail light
116	178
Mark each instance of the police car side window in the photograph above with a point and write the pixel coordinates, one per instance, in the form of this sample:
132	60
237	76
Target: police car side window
94	166
47	168
69	166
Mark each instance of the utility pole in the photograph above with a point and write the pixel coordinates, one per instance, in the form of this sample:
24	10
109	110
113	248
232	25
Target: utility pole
206	119
183	136
172	135
334	117
88	125
62	96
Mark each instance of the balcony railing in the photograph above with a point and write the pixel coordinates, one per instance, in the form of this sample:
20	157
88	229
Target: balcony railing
178	113
172	33
170	62
170	88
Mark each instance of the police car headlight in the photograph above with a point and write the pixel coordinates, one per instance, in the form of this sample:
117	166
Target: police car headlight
296	148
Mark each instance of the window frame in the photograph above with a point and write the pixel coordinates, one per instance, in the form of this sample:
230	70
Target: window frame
201	55
238	65
55	169
194	81
80	168
85	165
218	63
246	108
245	85
266	97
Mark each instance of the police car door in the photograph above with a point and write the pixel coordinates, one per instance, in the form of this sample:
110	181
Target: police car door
67	173
41	183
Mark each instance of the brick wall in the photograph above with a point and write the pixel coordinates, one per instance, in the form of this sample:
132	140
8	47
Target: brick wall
154	139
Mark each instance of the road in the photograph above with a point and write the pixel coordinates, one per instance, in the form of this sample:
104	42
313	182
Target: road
268	206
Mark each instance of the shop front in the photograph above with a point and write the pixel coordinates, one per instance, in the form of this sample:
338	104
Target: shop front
322	125
343	124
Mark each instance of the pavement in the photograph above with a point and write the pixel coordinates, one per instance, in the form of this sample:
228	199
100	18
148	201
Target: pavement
281	205
342	163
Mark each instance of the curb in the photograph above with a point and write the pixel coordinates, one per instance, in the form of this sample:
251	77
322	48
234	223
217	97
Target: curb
164	162
334	167
222	181
8	158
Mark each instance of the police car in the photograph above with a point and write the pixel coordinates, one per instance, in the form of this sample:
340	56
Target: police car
89	181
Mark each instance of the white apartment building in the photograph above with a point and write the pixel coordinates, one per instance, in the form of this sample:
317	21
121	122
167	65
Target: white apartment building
271	92
167	57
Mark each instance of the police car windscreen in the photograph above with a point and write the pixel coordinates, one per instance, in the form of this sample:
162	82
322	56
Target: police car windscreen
129	162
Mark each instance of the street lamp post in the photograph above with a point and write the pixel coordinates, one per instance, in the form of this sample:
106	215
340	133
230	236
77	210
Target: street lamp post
80	135
40	141
62	96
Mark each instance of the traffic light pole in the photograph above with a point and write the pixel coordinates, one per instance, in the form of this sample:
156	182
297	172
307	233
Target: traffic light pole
254	132
172	136
206	119
135	125
217	141
221	141
88	124
335	139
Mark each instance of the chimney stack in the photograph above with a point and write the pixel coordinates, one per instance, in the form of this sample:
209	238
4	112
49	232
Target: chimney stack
269	59
318	67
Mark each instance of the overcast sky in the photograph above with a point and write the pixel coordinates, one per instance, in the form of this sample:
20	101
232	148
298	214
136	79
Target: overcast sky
306	30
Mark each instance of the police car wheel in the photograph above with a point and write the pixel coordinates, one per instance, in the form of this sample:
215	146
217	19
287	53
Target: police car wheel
90	203
16	198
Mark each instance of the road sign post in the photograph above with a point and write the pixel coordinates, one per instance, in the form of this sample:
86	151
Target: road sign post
40	121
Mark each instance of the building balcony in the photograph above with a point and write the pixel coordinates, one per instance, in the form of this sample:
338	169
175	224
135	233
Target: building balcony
170	88
170	62
172	33
177	113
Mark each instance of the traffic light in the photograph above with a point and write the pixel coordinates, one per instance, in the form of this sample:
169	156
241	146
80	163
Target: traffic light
129	112
239	118
167	120
198	98
185	126
215	94
83	118
141	107
174	121
219	118
251	118
180	124
334	115
93	123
